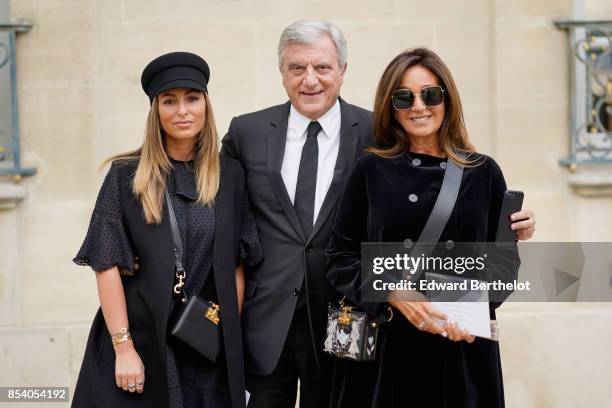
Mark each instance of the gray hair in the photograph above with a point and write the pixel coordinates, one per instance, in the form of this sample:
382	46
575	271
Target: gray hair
308	32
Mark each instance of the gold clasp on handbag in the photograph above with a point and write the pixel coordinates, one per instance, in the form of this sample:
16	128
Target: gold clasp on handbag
180	275
345	317
212	313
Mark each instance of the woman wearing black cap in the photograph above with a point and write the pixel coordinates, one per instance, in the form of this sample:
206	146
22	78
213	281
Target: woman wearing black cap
131	358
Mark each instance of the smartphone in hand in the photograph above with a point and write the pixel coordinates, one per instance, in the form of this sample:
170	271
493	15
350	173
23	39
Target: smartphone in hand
512	202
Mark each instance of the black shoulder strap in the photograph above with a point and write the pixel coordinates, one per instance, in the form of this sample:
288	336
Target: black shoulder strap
176	235
444	203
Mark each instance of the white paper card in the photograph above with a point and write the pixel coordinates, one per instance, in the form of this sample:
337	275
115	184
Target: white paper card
469	308
470	316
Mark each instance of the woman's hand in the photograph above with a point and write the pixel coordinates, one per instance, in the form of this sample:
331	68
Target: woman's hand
523	224
455	333
129	370
419	312
240	286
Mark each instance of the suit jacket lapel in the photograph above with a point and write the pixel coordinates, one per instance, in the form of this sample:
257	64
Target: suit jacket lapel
275	149
349	142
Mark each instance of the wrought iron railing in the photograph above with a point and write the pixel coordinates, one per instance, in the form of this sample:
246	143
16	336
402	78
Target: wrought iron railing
591	92
10	159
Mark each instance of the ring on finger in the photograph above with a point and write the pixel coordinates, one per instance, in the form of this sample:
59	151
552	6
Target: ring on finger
140	382
423	324
131	386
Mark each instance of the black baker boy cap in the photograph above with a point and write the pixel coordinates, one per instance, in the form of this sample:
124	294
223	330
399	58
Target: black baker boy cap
175	70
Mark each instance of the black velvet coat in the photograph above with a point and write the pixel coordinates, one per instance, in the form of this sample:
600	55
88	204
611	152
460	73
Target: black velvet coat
148	296
390	200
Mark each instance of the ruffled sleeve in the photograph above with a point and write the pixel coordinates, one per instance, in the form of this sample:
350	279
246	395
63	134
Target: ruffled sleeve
106	244
251	251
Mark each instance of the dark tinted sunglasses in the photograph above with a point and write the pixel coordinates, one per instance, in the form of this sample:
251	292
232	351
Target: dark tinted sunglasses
403	99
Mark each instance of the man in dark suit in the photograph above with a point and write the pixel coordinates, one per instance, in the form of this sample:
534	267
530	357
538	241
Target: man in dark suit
296	156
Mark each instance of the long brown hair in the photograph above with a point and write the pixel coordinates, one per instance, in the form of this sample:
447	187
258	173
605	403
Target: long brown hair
389	136
154	165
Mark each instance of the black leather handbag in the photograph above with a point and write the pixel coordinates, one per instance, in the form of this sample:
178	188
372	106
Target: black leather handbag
199	320
352	333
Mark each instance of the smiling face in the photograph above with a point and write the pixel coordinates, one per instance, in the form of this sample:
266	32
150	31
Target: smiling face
312	76
421	123
181	113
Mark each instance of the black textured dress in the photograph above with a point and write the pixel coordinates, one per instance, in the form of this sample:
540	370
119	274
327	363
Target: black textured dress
192	380
389	200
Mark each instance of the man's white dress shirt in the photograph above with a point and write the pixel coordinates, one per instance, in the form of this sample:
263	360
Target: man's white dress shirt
329	144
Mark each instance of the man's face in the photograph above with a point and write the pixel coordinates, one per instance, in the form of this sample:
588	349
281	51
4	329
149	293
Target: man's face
312	76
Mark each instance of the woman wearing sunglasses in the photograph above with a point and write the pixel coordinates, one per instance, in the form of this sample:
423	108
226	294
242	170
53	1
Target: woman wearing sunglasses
418	124
132	359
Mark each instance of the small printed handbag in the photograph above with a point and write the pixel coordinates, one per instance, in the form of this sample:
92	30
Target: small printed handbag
352	333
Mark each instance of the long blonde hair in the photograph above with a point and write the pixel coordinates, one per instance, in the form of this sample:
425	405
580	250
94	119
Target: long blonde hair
390	138
154	165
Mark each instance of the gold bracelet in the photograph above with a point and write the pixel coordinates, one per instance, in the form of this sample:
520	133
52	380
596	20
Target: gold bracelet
121	336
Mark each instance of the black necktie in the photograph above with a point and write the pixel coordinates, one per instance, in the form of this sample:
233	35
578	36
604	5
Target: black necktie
307	178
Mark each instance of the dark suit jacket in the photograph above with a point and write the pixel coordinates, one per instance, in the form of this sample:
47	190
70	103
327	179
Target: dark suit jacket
257	140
